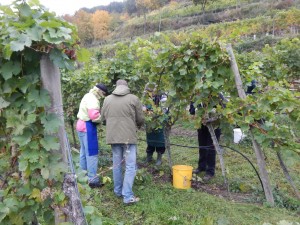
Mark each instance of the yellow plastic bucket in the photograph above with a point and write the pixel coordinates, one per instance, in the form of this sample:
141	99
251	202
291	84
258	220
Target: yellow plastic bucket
182	176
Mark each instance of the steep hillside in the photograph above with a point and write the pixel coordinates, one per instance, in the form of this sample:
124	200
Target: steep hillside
250	23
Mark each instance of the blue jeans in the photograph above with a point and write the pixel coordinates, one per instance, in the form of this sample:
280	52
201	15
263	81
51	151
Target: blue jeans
123	186
89	163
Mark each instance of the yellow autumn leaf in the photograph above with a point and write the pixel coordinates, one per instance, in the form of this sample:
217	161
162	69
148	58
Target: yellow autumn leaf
106	180
36	194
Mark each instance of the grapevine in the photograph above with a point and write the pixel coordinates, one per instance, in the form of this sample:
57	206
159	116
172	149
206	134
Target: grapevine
197	70
31	175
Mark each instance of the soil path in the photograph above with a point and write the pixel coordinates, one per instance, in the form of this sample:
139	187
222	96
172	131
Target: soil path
210	187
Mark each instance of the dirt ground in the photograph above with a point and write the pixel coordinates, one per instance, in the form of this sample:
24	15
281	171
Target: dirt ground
183	132
211	188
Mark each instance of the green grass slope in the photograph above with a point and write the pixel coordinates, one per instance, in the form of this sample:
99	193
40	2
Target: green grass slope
242	202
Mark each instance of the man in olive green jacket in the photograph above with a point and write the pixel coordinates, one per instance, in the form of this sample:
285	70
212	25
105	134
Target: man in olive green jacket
123	114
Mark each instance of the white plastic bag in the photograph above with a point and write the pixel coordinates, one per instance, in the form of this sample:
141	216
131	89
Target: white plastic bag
237	135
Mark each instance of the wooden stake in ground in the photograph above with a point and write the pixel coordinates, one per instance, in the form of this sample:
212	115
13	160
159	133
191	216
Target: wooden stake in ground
258	151
50	76
287	175
167	131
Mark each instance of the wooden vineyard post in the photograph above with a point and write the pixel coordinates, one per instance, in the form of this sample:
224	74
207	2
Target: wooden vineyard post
50	76
257	148
167	131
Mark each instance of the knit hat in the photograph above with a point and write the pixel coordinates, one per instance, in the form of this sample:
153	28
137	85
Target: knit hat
102	87
121	82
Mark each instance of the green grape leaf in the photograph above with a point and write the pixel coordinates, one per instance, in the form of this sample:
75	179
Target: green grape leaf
31	155
186	58
201	67
3	103
45	173
3	215
58	58
25	10
53	33
10	68
189	52
3	209
182	72
33	2
178	63
19	122
55	40
18	129
34	145
51	123
64	32
7	51
16	219
23	164
23	139
35	33
25	190
51	24
23	84
11	202
7	10
57	170
218	83
19	44
50	143
40	97
31	118
223	70
209	73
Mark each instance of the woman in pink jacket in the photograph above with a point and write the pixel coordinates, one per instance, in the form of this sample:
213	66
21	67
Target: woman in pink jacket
88	117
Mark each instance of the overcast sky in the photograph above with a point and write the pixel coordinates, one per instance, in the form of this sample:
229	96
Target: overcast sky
61	7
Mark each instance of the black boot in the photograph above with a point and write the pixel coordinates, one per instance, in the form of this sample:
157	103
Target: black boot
158	161
149	157
96	185
198	170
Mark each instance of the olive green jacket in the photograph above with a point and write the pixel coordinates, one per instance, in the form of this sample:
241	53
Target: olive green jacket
123	114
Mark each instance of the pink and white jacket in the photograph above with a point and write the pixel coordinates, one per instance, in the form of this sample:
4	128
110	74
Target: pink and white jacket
89	109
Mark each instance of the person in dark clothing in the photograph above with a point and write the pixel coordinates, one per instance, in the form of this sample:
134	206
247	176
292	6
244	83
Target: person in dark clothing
155	137
251	87
250	91
155	142
207	151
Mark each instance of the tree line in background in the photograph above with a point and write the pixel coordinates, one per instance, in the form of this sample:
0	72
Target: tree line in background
91	27
129	6
95	24
102	24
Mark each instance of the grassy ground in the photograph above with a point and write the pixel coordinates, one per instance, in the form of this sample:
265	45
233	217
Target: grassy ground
204	203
